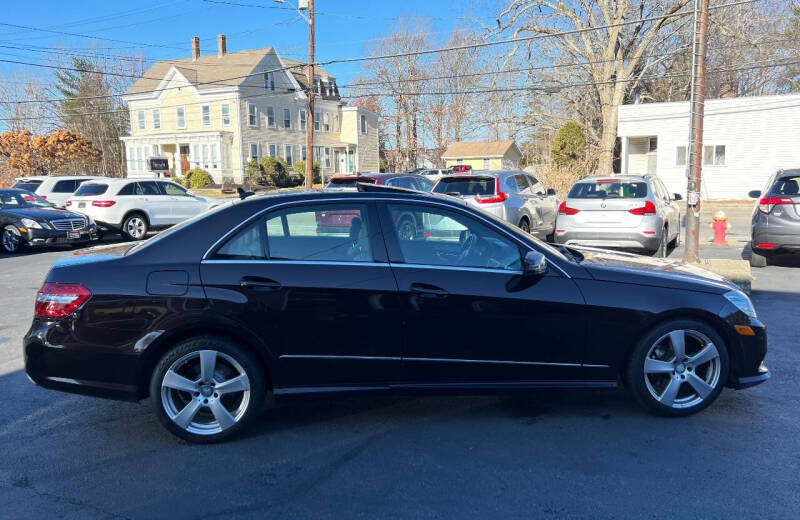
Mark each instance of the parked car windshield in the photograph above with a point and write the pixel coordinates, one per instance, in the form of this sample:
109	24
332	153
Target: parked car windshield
466	186
91	190
612	189
12	199
349	182
27	185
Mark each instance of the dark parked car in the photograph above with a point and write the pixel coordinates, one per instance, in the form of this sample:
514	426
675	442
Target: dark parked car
28	220
251	298
409	181
776	218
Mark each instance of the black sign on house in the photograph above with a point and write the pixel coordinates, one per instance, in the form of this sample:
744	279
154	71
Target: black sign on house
159	164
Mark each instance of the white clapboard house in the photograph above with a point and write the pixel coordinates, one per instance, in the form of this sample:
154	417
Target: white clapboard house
745	140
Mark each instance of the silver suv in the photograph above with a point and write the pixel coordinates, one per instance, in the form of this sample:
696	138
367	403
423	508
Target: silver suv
514	196
621	211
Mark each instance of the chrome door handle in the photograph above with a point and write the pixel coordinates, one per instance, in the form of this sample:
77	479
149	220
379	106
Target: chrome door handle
257	282
428	291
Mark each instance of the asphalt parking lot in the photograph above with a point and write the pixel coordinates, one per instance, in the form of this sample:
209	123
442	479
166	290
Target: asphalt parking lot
553	454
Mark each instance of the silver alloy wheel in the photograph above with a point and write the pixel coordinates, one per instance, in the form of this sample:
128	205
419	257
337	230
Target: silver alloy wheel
682	368
135	227
205	392
11	239
407	229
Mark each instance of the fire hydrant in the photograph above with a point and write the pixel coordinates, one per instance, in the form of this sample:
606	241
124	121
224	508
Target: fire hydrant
720	225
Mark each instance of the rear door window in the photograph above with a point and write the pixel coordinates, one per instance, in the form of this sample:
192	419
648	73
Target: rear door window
609	190
30	185
64	186
131	188
91	190
149	188
324	232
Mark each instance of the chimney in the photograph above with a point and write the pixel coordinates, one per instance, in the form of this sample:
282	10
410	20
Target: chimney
221	50
195	48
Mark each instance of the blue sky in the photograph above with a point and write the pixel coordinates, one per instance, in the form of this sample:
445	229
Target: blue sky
343	28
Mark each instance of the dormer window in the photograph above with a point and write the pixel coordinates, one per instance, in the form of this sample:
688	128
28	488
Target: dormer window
335	88
317	86
269	81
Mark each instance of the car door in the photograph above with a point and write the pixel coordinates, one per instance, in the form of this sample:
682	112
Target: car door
323	298
547	204
182	204
669	207
468	317
156	203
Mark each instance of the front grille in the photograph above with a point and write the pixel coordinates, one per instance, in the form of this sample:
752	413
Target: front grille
69	224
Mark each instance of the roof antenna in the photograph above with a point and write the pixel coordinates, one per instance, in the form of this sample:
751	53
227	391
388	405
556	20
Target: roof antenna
243	194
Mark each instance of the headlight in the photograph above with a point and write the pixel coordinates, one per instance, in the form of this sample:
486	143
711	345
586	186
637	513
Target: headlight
30	223
742	302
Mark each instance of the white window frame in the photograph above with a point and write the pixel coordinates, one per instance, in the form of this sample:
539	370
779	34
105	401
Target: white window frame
363	124
141	121
272	149
317	121
180	117
487	163
714	155
252	119
271	117
205	115
287	116
303	152
326	122
250	156
303	118
678	163
225	118
337	123
288	154
269	81
156	115
327	154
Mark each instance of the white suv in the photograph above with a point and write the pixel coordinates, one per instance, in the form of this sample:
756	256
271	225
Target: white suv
133	207
56	189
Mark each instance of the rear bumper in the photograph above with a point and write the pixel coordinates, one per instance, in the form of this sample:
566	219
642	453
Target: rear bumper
607	238
783	242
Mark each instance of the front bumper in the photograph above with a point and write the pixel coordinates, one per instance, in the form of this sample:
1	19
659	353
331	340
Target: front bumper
608	238
747	360
51	237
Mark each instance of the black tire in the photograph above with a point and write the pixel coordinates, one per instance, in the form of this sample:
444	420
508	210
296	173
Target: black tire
524	225
134	227
248	406
637	381
406	228
11	241
661	252
758	259
675	241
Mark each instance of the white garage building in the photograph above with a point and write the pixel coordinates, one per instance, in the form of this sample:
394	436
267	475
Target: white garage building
745	140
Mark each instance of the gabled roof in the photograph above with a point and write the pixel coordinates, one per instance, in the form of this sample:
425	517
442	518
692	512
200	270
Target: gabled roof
463	149
300	74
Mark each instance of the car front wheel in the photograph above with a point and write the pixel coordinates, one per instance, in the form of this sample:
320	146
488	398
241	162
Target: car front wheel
206	389
11	239
679	368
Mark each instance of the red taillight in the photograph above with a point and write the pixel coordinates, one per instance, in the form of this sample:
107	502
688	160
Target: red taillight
43	196
29	198
607	180
767	245
648	209
767	203
57	300
563	209
499	195
103	203
69	203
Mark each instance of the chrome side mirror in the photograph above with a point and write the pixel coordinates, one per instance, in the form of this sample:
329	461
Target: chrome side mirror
534	264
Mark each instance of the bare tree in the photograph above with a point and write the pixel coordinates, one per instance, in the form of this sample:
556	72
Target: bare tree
17	88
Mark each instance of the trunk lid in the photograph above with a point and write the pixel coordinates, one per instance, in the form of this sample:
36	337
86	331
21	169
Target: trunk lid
608	203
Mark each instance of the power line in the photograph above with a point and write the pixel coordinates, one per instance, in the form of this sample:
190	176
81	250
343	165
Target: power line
78	35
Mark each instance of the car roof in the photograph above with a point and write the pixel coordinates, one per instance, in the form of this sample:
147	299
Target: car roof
782	174
626	177
118	180
383	193
56	177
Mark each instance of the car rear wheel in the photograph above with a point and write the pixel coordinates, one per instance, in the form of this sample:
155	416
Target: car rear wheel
679	368
206	389
758	259
661	252
134	227
11	239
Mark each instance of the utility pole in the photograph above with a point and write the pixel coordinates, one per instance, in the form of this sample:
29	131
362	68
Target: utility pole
696	107
308	5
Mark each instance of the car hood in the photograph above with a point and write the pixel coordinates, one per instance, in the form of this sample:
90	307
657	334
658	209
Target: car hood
613	266
42	213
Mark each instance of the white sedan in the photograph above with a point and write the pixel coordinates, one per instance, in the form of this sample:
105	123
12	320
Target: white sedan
135	206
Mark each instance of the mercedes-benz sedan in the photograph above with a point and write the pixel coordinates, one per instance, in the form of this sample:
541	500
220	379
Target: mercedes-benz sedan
255	298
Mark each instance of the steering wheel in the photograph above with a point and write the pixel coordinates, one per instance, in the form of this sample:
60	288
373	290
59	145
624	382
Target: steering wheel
466	249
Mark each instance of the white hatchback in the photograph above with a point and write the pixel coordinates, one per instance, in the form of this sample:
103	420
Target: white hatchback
57	189
135	206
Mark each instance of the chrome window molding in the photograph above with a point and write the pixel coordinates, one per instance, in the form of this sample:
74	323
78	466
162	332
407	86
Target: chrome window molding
326	356
438	360
451	207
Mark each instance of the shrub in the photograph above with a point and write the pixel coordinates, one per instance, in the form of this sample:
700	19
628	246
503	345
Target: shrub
255	173
569	145
277	171
300	168
198	178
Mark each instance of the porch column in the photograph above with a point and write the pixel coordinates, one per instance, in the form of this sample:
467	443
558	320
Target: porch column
623	160
176	158
347	158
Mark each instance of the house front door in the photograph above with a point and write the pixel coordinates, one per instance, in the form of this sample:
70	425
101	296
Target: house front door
185	167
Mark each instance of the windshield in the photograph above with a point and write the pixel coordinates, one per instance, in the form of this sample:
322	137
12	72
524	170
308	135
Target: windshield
177	227
25	199
27	185
349	182
91	190
611	189
466	186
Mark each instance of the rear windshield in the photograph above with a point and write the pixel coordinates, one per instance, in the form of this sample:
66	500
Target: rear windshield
789	186
91	190
465	185
349	182
609	190
27	185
